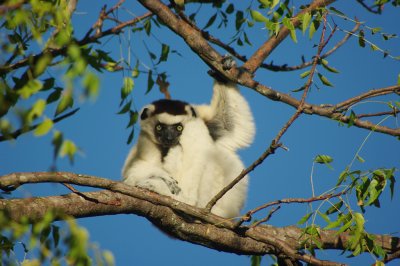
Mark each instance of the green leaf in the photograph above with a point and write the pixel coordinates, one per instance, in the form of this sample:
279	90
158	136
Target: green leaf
246	38
152	56
127	87
135	71
333	224
108	257
30	88
68	148
323	159
41	64
150	81
147	26
312	230
305	21
327	67
344	227
352	118
54	96
74	51
36	110
304	218
57	142
55	235
210	21
360	159
376	30
44	234
360	221
130	137
133	117
125	108
324	216
43	128
299	89
388	36
392	183
239	19
66	102
334	10
164	53
374	47
48	84
342	176
324	80
257	16
313	28
255	260
335	208
305	74
288	23
374	192
274	3
91	84
361	39
293	35
230	8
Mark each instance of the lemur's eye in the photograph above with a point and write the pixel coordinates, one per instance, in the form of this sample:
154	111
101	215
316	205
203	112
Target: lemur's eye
179	127
158	127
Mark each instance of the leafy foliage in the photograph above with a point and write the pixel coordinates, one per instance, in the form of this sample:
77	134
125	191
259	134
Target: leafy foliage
40	43
45	243
368	187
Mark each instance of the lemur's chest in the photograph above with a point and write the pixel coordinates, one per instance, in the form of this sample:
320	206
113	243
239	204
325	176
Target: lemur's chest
173	162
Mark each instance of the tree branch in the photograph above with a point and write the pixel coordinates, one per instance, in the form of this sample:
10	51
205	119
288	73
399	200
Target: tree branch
211	57
176	218
266	49
54	52
370	94
21	131
275	142
370	9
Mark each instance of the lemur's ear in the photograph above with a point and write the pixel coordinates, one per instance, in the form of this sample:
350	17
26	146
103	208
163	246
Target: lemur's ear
193	111
190	111
147	112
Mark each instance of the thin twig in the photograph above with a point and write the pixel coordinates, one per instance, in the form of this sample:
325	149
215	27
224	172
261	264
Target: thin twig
266	49
102	16
21	131
394	113
295	200
266	219
60	51
83	195
370	9
370	94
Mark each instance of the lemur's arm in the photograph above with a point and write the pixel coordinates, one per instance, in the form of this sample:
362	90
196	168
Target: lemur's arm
228	117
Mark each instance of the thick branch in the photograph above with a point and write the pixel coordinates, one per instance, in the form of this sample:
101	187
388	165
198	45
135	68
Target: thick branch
178	219
210	56
191	36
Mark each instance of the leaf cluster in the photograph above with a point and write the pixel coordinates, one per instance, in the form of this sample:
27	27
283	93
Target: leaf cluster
45	243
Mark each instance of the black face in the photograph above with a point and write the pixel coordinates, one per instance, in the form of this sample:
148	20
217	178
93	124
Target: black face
168	135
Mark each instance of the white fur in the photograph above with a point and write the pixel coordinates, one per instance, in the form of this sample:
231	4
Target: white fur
201	165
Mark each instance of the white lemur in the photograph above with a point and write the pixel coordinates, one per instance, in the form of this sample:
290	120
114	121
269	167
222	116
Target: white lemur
188	152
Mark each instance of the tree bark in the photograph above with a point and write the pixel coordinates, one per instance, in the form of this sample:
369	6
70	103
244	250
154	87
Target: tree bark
178	219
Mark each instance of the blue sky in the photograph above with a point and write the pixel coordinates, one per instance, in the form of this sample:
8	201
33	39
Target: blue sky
101	135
